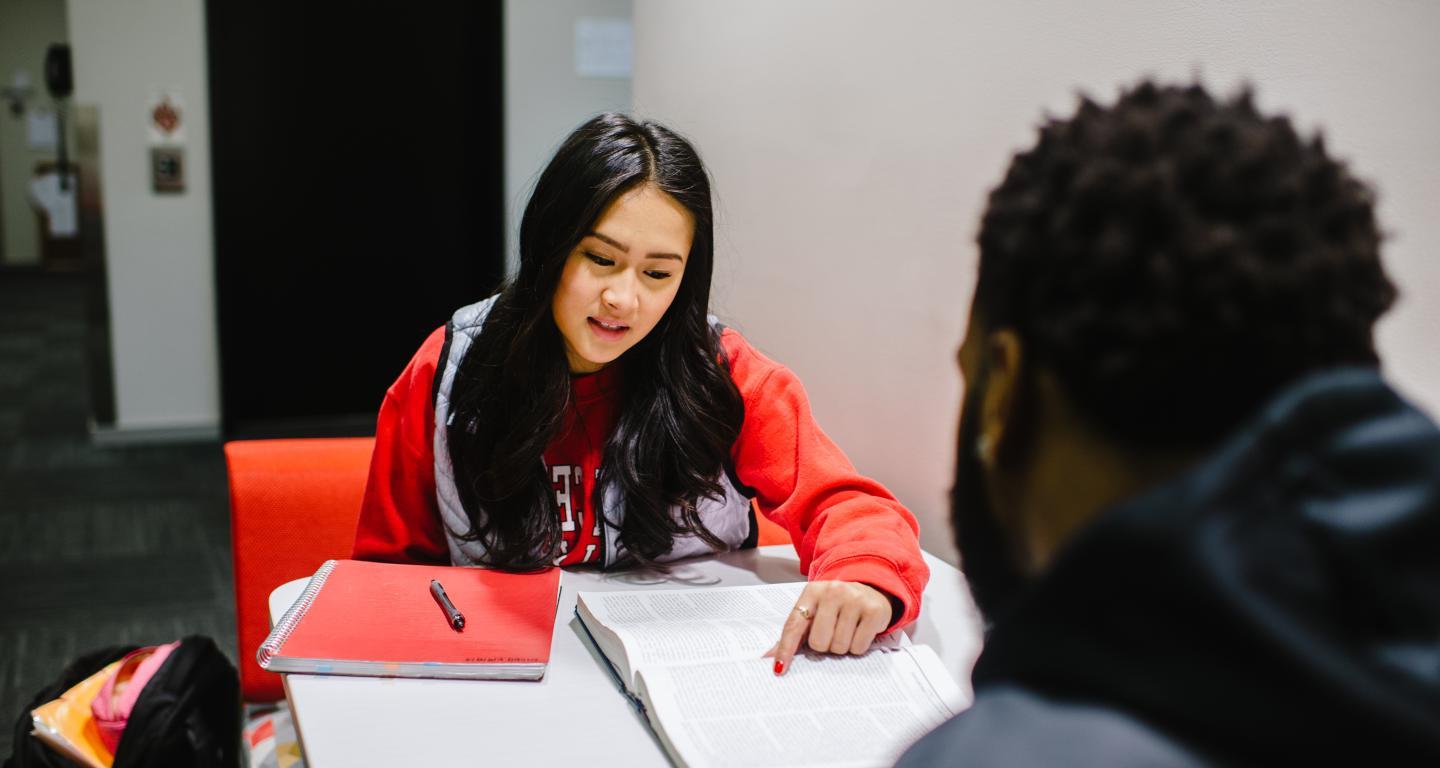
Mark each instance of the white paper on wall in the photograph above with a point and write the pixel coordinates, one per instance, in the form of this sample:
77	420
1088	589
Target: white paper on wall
41	129
602	47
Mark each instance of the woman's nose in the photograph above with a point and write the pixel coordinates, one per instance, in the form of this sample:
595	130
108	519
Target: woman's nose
618	294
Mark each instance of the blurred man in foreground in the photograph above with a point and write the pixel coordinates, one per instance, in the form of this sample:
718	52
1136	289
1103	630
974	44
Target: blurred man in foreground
1204	528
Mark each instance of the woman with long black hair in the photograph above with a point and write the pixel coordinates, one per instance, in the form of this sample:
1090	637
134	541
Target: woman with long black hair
593	412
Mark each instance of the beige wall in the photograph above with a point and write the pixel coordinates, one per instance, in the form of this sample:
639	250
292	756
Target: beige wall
544	98
159	248
27	28
852	143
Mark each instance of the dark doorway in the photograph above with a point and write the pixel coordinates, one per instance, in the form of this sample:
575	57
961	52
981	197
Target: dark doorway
358	186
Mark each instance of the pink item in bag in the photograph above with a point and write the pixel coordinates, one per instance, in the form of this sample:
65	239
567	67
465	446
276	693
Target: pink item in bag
112	706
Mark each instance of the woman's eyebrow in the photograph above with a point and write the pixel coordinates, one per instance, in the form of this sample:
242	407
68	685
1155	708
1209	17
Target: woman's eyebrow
616	243
626	249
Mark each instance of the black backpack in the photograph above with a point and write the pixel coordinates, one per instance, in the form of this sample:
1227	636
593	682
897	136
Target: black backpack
187	715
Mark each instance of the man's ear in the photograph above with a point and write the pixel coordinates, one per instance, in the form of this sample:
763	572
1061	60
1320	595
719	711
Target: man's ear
1000	410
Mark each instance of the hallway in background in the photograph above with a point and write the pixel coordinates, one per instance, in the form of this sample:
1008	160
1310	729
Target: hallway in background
98	545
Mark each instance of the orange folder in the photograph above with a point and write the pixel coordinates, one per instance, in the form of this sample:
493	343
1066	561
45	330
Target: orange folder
67	725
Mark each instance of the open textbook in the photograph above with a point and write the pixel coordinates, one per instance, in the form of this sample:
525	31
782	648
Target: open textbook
691	660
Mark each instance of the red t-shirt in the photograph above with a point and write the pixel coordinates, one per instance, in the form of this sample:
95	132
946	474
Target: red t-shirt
573	461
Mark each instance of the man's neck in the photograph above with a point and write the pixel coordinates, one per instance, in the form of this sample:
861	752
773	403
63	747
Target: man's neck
1079	473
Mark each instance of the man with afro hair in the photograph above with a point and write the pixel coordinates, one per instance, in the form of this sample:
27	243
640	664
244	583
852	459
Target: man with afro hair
1202	527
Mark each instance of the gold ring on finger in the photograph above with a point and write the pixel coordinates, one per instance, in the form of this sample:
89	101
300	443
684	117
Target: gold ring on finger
803	611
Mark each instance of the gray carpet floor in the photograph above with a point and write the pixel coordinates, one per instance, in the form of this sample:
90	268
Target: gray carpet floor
98	545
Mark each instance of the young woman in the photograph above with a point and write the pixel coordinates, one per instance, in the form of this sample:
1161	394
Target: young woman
592	412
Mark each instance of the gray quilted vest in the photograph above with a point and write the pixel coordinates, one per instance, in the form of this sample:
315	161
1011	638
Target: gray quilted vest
731	518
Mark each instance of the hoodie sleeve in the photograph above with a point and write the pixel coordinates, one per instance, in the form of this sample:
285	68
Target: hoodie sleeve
845	526
399	515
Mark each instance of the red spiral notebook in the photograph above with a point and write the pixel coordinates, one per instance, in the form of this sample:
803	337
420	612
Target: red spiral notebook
380	620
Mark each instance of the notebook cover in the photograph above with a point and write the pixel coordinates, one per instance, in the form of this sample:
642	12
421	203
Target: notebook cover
384	612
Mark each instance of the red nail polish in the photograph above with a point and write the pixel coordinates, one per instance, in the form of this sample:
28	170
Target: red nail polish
779	667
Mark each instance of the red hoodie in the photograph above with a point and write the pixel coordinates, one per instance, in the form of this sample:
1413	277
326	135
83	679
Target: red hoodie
845	526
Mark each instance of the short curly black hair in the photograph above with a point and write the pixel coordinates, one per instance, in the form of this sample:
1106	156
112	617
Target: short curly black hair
1174	260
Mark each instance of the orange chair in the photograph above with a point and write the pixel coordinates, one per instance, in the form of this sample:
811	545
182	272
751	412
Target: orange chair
293	505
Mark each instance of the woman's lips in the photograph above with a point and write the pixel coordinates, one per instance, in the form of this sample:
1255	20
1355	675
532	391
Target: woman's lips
608	331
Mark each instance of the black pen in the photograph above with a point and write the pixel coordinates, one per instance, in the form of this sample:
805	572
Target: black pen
457	621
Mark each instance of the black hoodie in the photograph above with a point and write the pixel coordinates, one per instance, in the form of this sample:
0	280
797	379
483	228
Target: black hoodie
1278	604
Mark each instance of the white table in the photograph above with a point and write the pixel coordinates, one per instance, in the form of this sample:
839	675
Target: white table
576	715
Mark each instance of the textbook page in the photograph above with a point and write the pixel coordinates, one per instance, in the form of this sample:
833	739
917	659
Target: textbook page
827	710
670	626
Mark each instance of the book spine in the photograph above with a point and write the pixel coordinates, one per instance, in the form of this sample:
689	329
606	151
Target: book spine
292	617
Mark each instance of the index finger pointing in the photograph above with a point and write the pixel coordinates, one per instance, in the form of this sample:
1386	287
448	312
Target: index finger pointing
793	633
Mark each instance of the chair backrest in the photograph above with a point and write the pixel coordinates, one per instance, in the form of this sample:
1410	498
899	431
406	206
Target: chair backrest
293	505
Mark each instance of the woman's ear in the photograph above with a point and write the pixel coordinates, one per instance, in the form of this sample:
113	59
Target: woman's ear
1000	409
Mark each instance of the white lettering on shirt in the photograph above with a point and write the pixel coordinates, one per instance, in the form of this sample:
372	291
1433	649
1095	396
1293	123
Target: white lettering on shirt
560	474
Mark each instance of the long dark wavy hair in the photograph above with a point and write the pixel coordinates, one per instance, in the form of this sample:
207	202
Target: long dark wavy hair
679	412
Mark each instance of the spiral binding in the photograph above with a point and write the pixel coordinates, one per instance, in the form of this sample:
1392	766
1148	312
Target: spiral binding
296	612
